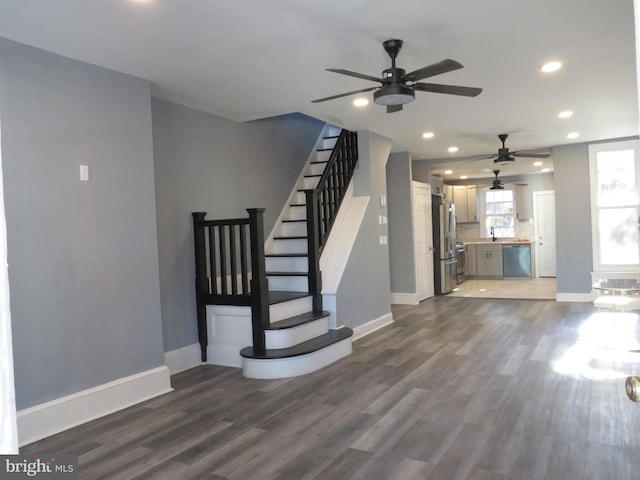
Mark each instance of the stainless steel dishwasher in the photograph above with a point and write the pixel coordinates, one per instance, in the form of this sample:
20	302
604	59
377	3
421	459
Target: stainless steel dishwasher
516	260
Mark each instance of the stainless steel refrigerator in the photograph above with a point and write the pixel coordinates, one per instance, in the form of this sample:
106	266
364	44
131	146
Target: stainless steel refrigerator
444	244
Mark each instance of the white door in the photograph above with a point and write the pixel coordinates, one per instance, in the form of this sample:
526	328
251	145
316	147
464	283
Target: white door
423	240
544	205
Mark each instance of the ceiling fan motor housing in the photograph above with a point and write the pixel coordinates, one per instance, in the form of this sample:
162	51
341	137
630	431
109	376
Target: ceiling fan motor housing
394	94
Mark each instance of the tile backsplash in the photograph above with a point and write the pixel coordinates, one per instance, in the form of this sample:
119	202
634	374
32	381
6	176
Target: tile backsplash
470	232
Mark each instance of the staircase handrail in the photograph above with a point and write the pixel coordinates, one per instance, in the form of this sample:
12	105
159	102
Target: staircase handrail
323	203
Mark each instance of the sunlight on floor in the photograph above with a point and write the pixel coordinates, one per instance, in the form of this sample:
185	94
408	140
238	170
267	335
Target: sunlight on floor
529	289
606	340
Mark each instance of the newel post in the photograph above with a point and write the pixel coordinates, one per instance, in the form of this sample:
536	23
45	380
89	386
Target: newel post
313	248
201	281
259	283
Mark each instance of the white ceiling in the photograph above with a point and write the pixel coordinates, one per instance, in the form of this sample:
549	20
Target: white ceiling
254	58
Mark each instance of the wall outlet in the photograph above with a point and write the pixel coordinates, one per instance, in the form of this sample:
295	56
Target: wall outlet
84	173
383	239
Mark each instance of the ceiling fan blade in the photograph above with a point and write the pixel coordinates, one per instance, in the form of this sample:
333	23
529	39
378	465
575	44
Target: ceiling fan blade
444	66
449	89
354	74
343	95
393	108
531	155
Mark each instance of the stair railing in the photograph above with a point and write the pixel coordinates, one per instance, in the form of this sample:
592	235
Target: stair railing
230	270
323	203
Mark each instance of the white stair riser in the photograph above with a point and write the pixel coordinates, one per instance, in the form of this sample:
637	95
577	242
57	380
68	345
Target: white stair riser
329	142
280	311
293	229
288	284
288	337
287	264
316	168
323	155
290	246
310	182
294	366
297	213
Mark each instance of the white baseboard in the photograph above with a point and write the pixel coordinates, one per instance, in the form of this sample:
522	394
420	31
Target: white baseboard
46	419
183	358
372	325
404	298
574	297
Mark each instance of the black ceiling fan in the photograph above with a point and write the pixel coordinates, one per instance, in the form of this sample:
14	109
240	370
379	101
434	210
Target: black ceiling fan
505	158
497	184
398	87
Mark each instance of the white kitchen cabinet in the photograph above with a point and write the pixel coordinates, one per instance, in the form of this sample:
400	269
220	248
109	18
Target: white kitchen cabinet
489	260
524	203
465	199
470	260
448	192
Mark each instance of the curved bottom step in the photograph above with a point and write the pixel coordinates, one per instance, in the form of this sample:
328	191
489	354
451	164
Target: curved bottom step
306	357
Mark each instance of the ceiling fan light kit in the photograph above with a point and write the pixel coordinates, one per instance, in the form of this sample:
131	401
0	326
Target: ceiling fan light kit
394	95
394	90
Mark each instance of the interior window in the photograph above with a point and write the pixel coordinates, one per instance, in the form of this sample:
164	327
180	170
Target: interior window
615	205
497	209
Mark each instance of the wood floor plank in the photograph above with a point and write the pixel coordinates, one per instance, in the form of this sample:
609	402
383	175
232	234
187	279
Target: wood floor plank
454	388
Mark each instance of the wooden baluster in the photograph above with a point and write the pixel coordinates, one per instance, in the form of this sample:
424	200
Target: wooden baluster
259	283
200	281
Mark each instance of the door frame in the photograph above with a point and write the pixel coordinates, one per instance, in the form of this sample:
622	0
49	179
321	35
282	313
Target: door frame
537	194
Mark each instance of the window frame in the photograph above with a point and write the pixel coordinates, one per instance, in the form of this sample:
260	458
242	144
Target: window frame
482	207
594	150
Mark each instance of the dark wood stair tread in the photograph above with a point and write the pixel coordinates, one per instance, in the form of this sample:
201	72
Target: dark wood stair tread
297	320
310	346
277	296
295	237
285	255
295	221
319	161
287	274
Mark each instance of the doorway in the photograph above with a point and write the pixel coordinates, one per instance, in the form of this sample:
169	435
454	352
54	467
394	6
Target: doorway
544	226
423	240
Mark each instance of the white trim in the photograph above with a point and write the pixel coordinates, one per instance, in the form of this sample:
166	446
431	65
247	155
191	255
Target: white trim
46	419
182	359
573	297
372	325
336	252
404	298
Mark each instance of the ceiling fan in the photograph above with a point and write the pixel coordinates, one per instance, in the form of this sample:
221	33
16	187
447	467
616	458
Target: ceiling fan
399	87
497	184
505	158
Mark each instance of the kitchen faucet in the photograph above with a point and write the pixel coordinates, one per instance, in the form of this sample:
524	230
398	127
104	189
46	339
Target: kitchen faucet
493	235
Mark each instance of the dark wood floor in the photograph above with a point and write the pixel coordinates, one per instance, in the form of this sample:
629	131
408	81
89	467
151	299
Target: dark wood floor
456	388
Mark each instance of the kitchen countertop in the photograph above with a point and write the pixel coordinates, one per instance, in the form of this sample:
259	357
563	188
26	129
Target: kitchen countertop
500	242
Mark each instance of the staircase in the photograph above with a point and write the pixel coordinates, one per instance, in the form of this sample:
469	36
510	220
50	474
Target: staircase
299	341
298	337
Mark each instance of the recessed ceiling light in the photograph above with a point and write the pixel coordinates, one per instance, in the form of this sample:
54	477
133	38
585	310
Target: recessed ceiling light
537	164
545	170
361	102
452	149
573	135
551	67
427	135
565	114
463	177
448	172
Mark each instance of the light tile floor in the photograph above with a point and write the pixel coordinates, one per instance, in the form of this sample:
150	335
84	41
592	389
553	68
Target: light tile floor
529	289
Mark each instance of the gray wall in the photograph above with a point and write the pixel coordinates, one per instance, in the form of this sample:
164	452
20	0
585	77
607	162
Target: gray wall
401	246
83	258
364	291
210	164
